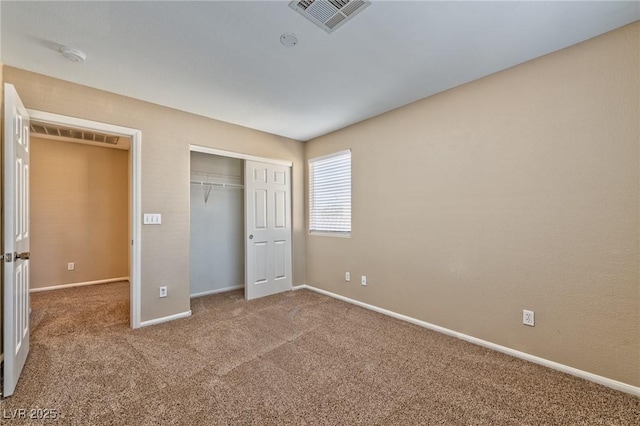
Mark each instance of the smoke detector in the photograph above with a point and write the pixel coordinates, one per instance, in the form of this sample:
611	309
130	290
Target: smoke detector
288	39
329	14
72	54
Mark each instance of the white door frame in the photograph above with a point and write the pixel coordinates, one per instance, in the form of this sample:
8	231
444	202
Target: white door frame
136	169
231	154
238	155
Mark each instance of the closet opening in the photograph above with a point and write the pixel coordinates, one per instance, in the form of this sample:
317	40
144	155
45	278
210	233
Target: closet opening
217	224
241	230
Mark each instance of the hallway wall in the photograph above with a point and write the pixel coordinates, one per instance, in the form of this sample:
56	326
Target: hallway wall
79	213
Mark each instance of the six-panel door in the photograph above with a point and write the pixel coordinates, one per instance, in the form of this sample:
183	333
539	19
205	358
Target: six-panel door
16	238
267	229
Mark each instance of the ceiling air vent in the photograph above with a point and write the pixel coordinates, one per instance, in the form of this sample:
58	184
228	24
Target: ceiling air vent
329	14
69	133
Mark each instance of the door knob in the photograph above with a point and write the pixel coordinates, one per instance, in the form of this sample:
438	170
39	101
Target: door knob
23	255
251	237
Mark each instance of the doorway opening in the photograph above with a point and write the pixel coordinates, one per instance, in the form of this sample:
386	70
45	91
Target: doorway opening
99	167
79	202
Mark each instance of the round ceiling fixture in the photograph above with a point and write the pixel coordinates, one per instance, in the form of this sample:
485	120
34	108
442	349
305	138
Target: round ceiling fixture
75	55
288	39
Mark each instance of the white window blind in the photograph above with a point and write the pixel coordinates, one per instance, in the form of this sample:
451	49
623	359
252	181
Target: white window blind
330	194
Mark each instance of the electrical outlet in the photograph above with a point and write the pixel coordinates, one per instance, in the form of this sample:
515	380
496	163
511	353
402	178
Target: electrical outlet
528	318
71	266
363	280
347	276
163	291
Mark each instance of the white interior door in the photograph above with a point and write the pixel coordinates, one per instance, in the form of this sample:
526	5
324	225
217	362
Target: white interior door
267	229
16	238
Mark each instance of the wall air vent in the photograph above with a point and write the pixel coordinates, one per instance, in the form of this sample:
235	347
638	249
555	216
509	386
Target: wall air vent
329	14
68	133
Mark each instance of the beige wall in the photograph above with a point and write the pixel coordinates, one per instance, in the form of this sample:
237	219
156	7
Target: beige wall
79	213
166	135
516	191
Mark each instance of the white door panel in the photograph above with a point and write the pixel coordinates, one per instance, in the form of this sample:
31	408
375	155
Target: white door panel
260	209
280	209
16	238
260	174
279	177
260	262
279	259
268	229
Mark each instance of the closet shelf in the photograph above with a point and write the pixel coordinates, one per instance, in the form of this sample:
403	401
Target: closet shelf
220	184
216	179
208	180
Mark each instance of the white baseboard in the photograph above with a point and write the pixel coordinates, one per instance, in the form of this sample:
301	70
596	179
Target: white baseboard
165	319
216	291
614	384
58	287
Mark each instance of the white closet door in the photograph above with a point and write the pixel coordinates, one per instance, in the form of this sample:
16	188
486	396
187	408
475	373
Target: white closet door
267	229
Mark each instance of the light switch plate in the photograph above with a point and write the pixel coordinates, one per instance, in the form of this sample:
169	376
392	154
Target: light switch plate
152	219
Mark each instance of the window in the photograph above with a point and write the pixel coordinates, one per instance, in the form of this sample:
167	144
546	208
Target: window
330	194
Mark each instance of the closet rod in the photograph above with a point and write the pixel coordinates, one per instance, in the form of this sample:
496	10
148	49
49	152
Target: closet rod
223	185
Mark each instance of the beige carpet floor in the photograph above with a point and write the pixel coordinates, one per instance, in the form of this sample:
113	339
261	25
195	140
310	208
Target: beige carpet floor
295	358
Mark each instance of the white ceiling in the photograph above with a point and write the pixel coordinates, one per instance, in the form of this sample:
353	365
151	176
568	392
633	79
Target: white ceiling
224	59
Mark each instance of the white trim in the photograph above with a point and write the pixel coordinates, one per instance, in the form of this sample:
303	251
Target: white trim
330	234
165	319
136	229
613	384
136	191
214	151
301	287
217	290
82	284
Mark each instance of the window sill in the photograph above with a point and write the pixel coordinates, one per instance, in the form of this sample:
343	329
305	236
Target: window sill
329	234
